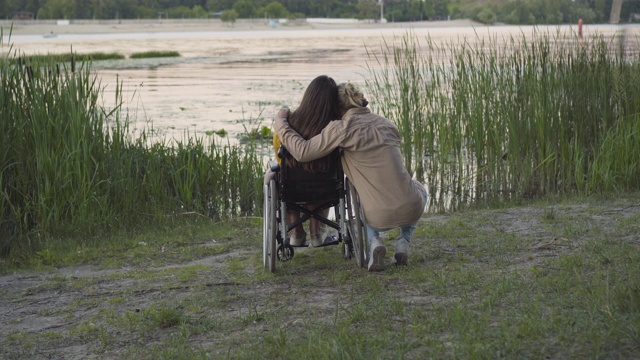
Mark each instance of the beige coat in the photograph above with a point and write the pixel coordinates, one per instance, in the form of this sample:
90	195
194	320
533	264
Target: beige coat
372	161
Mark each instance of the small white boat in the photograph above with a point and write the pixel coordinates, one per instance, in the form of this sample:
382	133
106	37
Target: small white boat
50	35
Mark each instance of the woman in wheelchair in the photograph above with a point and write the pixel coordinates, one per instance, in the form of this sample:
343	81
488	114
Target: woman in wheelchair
319	105
373	163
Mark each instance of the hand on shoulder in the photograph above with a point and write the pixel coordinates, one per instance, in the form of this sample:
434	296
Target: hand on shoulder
283	113
281	119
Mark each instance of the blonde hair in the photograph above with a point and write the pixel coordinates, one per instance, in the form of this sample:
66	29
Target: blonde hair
350	96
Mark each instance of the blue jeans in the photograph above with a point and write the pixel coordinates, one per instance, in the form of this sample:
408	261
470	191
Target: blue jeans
406	230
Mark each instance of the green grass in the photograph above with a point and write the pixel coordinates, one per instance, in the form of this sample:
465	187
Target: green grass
94	56
490	119
56	60
60	58
154	54
70	165
514	282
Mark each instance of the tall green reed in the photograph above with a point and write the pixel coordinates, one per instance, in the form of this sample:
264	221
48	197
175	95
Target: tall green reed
490	118
70	164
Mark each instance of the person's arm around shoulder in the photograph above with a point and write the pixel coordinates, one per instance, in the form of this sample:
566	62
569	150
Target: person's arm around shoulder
307	150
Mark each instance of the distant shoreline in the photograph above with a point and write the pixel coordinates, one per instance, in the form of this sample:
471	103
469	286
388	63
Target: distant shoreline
22	27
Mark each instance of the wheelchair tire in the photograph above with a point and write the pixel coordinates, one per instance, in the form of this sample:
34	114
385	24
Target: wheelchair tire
273	223
356	227
347	247
266	225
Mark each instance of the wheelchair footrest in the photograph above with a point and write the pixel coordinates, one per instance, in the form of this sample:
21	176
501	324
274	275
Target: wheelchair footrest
304	244
328	241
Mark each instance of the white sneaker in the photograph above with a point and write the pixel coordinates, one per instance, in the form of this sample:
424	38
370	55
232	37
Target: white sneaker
376	255
402	252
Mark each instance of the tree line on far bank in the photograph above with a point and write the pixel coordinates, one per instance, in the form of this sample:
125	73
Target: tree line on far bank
502	11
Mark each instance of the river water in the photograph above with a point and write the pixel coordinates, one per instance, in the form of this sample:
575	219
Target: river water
236	80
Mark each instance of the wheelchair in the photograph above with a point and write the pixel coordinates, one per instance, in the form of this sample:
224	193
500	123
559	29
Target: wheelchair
294	188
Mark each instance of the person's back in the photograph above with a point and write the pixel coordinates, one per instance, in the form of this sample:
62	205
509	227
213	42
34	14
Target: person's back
319	106
373	162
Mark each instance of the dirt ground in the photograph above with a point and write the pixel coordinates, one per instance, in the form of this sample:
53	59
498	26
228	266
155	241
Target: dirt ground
43	304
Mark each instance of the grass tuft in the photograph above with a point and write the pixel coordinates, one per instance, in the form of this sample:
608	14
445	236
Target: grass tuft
154	54
489	119
69	164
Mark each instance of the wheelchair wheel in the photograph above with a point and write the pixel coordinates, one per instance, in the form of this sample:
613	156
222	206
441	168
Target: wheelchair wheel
356	227
266	224
270	240
347	246
285	252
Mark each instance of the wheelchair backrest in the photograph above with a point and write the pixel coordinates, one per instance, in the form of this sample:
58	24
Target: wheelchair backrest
302	187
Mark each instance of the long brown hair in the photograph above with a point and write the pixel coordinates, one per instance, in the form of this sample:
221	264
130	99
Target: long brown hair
318	107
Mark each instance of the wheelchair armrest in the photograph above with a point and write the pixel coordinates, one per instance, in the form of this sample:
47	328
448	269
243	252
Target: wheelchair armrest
274	166
282	152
